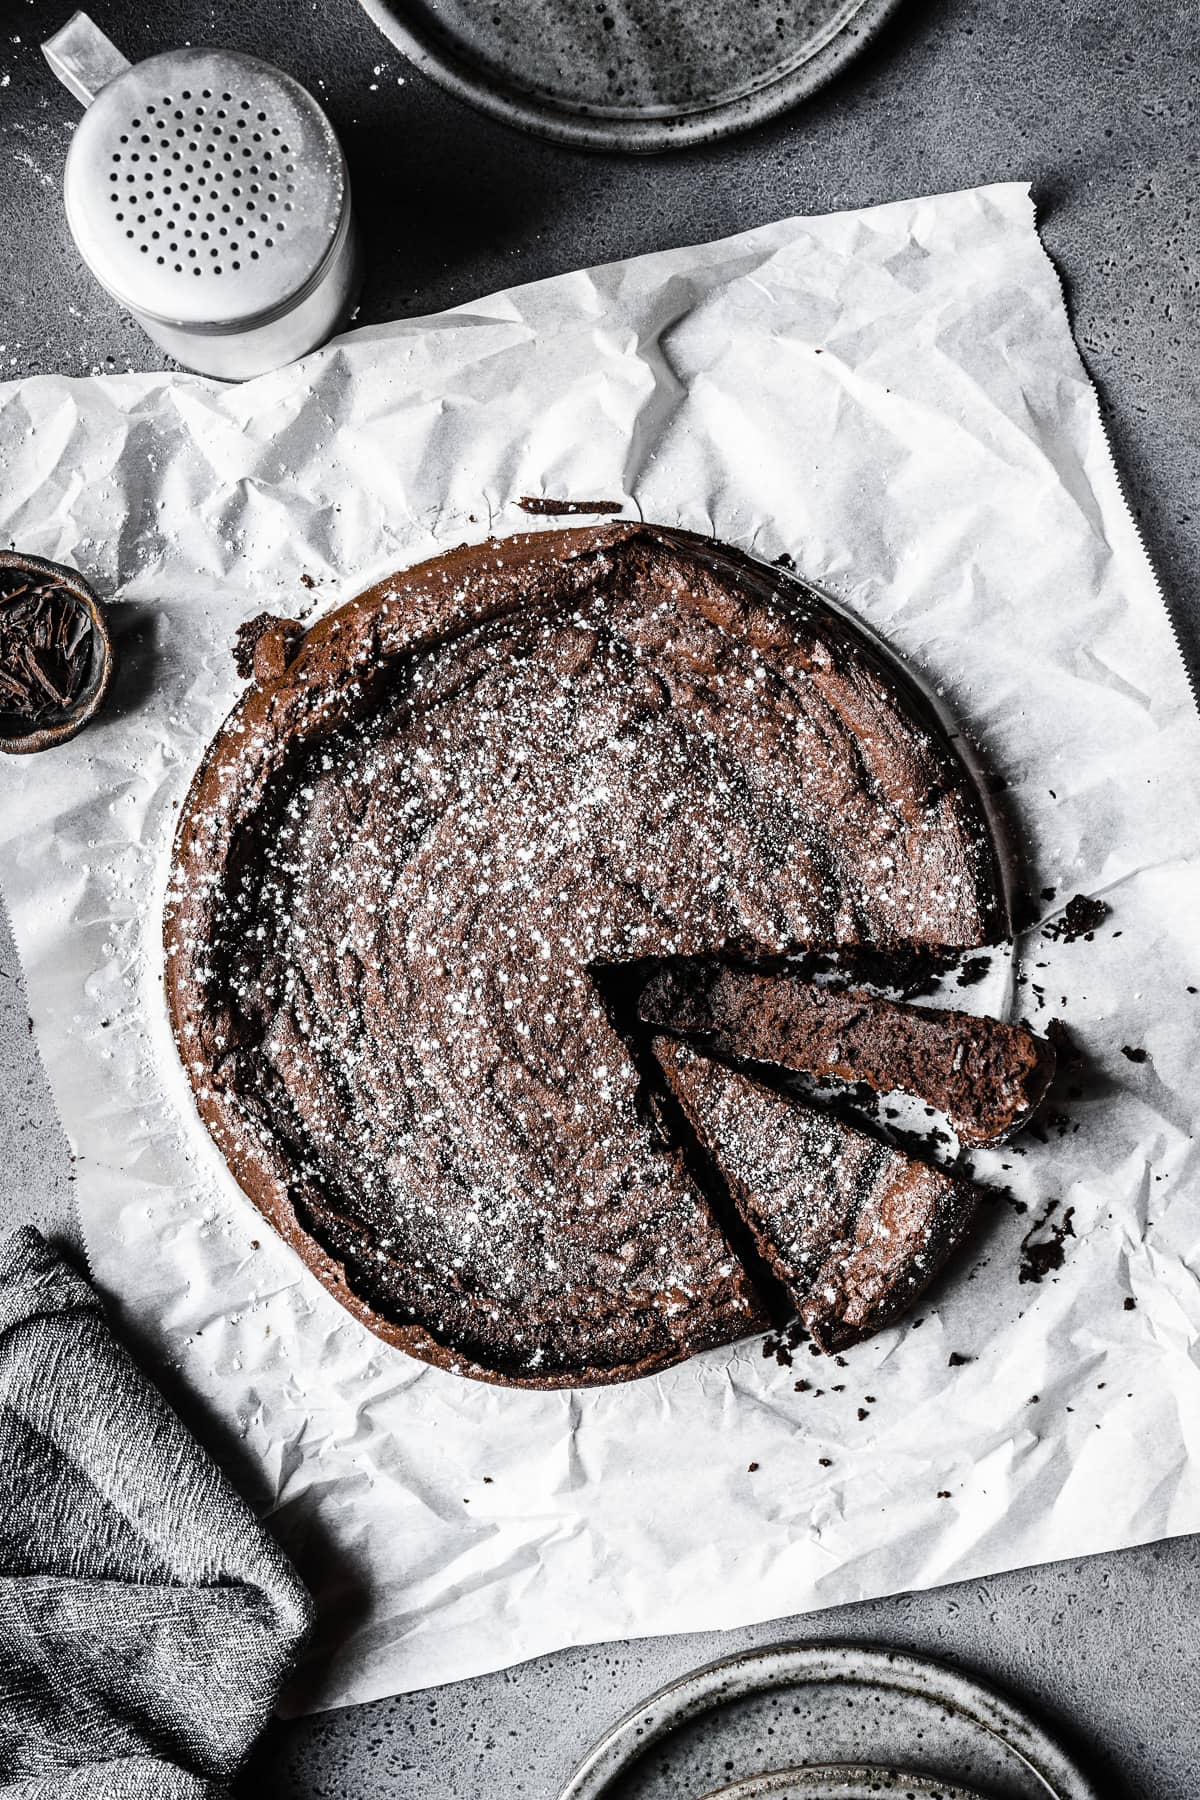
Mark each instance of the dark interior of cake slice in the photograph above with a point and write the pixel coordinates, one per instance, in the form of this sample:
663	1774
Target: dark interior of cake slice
985	1077
834	1221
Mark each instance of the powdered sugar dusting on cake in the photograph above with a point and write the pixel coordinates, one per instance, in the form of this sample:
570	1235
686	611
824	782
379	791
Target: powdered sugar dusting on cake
854	1229
403	862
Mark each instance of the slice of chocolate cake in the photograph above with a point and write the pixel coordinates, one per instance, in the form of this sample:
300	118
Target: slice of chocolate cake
853	1229
985	1076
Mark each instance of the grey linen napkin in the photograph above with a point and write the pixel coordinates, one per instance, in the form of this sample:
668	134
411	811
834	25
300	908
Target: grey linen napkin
147	1621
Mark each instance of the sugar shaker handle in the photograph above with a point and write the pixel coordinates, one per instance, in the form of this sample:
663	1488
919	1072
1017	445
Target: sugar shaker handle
83	58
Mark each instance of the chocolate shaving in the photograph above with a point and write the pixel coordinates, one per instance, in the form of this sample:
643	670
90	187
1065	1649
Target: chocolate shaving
45	647
543	505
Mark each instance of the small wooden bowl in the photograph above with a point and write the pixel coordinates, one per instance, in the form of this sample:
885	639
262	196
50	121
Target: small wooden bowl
18	738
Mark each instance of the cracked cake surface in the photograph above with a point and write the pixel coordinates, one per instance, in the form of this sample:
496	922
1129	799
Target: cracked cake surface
424	830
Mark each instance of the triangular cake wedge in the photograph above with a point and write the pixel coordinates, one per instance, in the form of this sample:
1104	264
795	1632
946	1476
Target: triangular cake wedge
985	1076
854	1229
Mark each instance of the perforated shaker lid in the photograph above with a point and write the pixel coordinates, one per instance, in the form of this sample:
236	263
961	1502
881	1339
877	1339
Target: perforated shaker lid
206	188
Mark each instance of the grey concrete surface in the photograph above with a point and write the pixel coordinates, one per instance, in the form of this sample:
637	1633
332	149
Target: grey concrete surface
1098	106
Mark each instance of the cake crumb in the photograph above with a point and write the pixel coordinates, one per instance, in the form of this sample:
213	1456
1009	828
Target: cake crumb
1080	918
1040	1257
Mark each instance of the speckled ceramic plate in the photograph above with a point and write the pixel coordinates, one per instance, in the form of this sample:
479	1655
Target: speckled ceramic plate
839	1705
843	1784
634	75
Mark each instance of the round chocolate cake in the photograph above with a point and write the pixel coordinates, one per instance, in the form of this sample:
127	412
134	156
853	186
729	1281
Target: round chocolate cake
418	860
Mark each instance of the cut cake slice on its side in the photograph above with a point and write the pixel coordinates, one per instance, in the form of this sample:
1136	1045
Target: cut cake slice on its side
985	1076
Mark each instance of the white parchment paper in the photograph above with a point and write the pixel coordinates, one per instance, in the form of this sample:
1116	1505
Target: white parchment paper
892	397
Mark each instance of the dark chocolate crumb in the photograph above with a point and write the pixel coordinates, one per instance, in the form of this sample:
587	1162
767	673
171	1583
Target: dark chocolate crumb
1078	919
943	1493
307	581
956	1360
826	1462
750	1468
487	1481
802	1387
1048	893
1134	1053
974	970
1040	1258
863	1413
780	1344
1130	1303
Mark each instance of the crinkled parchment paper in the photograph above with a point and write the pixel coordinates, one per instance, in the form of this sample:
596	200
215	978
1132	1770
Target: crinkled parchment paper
892	398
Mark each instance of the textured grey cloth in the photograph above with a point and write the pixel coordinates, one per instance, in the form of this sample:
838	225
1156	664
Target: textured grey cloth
147	1621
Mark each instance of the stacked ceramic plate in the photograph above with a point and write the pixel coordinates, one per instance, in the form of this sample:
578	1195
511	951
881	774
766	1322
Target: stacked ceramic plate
631	75
828	1722
842	1784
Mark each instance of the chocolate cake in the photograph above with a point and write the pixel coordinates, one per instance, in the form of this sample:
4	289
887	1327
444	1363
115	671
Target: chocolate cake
429	826
985	1076
854	1230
